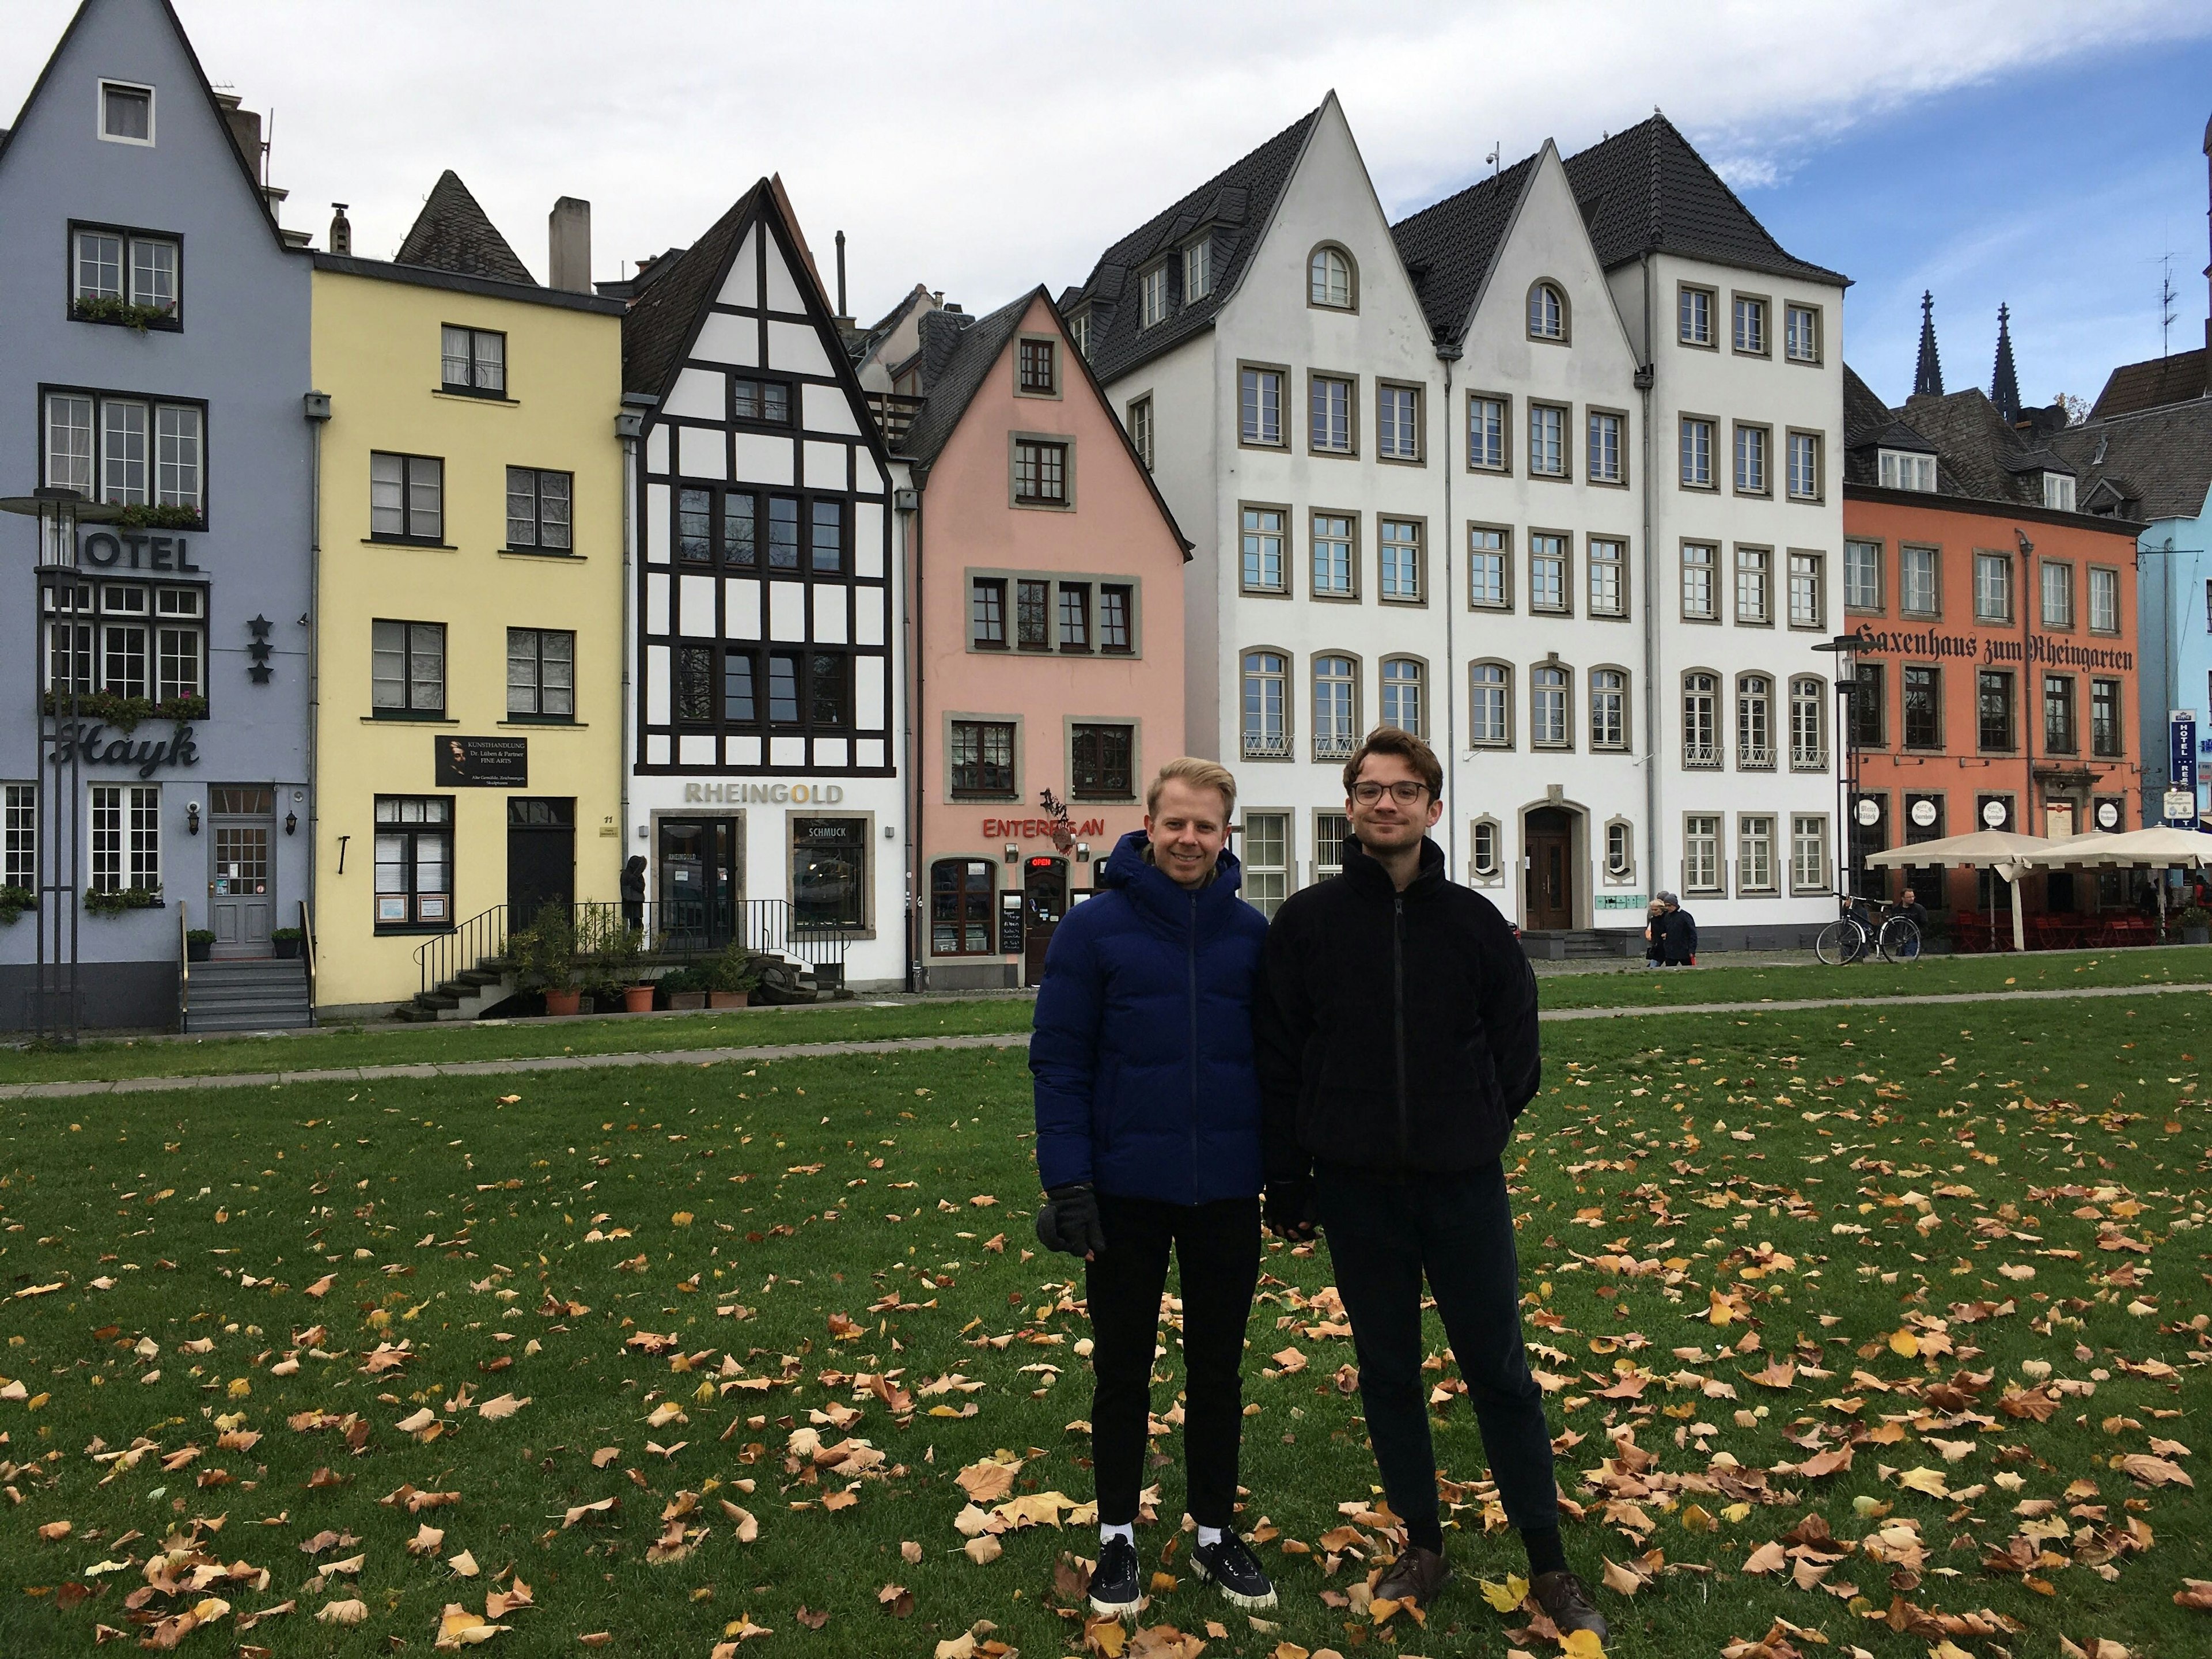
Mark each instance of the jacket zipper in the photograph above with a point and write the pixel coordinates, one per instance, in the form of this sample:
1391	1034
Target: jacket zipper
1191	958
1398	1015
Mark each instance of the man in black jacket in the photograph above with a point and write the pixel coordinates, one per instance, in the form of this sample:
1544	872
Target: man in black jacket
1678	934
1395	1030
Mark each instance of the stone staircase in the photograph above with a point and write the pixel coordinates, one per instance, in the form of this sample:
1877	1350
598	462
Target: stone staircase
473	990
251	993
1583	944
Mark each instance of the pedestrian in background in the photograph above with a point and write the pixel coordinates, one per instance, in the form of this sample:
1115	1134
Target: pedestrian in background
1655	949
633	890
1678	933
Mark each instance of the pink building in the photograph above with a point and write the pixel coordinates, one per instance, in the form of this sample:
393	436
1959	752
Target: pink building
1046	577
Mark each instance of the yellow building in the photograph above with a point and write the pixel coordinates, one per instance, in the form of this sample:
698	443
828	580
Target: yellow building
470	599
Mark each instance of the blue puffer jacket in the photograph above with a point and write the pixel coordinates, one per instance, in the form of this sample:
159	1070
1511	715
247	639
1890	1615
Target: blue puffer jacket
1142	1053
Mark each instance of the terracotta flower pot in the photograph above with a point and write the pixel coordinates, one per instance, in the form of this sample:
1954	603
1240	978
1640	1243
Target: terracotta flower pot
637	999
687	1001
563	1002
727	998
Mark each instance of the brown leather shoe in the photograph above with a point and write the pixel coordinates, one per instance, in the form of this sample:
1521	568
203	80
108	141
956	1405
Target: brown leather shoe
1415	1577
1566	1602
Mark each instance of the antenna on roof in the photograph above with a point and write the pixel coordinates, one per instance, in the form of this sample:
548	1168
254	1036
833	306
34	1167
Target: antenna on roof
2166	305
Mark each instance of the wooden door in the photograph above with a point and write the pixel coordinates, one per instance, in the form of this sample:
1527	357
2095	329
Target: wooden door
1550	898
541	857
1044	902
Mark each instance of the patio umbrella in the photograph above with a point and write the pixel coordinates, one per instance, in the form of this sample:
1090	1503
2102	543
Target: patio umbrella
2000	850
2161	847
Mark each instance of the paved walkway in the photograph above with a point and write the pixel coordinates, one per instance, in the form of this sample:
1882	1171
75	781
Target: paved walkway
81	1089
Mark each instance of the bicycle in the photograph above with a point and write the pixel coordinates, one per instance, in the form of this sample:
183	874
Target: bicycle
1847	938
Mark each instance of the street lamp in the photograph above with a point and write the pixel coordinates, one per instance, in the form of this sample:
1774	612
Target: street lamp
1844	647
58	849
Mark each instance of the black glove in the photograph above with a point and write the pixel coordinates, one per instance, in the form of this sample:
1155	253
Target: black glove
1068	1221
1291	1208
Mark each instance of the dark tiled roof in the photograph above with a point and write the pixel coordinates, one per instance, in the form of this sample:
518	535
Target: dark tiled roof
451	232
2157	461
1975	449
1448	246
1238	201
662	316
2147	385
956	354
1865	415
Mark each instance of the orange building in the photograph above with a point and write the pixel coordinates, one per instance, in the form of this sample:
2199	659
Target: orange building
1996	662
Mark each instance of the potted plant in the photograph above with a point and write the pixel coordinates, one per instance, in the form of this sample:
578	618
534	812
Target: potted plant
731	976
14	901
288	941
114	900
616	952
199	944
2196	925
543	956
687	989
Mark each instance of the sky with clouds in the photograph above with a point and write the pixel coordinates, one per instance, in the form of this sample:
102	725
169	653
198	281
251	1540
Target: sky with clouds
1988	149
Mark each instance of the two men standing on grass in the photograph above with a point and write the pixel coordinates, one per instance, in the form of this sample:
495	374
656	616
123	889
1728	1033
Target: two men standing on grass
1363	1063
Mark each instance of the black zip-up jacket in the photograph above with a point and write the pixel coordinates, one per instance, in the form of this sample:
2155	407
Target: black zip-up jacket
1395	1032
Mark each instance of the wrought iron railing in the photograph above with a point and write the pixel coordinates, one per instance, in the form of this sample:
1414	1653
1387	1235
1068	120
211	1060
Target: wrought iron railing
1808	760
1701	754
1755	756
184	964
307	954
479	939
1335	747
1267	745
658	932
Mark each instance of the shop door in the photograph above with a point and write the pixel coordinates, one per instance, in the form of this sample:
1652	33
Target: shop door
701	881
1550	900
1044	902
541	857
241	892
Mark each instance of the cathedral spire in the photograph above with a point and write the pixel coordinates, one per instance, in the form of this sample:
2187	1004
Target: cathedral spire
2004	386
1928	377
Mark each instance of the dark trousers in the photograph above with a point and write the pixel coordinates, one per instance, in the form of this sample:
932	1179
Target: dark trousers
1217	1249
1458	1230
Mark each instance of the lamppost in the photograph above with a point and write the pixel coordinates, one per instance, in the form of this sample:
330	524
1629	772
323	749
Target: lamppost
1843	648
56	825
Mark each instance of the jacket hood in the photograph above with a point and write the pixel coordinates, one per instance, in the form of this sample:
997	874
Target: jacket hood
1364	873
1152	889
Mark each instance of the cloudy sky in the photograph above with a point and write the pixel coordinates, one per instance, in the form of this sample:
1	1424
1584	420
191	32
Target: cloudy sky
1988	149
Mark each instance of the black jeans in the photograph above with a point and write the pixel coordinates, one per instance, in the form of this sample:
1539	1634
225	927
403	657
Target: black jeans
1217	1249
1458	1229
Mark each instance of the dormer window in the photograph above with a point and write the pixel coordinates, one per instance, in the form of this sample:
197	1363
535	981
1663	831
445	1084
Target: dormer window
2058	491
1152	297
126	113
1078	326
1902	469
1197	270
1547	313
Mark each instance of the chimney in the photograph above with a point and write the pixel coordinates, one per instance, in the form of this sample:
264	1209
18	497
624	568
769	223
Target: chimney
844	316
568	237
340	238
245	126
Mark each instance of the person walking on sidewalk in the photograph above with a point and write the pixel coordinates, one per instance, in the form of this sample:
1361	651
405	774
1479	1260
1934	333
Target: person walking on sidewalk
1678	934
1397	1039
1148	1142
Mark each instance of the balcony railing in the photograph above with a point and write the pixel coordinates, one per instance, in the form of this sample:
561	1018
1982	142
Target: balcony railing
1267	745
1701	754
1335	747
894	412
1754	757
1808	760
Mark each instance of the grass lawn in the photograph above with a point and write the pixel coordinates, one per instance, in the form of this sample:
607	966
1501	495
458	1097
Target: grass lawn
1961	1244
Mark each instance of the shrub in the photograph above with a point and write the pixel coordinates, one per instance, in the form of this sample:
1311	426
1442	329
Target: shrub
14	901
544	953
614	947
113	902
736	969
200	936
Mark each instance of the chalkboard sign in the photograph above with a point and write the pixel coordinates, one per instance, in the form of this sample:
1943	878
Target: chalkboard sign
1010	923
482	762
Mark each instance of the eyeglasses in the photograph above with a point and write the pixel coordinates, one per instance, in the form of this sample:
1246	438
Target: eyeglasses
1405	792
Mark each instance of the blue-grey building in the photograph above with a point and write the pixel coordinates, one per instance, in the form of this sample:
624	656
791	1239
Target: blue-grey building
156	362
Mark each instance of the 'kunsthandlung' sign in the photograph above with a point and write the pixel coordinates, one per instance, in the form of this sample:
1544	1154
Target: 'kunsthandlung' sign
86	741
482	762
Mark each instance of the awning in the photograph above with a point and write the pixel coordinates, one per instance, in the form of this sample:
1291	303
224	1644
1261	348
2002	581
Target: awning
1985	849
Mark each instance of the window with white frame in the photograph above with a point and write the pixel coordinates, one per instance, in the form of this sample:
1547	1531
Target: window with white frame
1490	704
1697	454
1807	583
1547	441
1700	720
2057	594
1402	695
1863	575
1609	708
1754	853
20	845
1078	326
1809	725
128	640
1485	434
1483	848
1399	555
1547	313
1335	558
126	837
1266	859
1751	460
1488	568
1701	582
1619	849
128	452
1992	587
1808	852
1548	559
1263	567
1604	447
1805	466
1801	334
1329	430
1398	422
1331	831
1152	297
2103	600
1693	314
2059	492
1141	429
1755	722
126	113
1259	406
1750	325
1609	577
1329	279
1550	721
1266	732
1336	707
1901	469
1198	269
1701	852
112	267
1754	585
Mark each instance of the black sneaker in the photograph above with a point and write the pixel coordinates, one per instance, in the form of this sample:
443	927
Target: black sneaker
1567	1600
1114	1580
1231	1565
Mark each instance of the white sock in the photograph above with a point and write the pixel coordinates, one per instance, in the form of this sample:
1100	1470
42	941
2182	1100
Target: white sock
1126	1531
1208	1537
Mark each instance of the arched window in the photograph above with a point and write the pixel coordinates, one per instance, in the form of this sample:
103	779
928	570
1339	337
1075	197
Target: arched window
1619	849
1401	694
1700	740
1547	313
1335	707
1809	725
1490	705
1549	689
1754	721
1267	705
1329	279
1609	708
960	907
1485	852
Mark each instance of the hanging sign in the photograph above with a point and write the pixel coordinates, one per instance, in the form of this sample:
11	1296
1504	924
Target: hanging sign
1924	814
1995	813
2181	731
482	762
2179	807
2106	814
1868	811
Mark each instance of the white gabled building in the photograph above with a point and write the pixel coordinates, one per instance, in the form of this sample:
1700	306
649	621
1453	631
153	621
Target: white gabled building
1427	467
765	749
